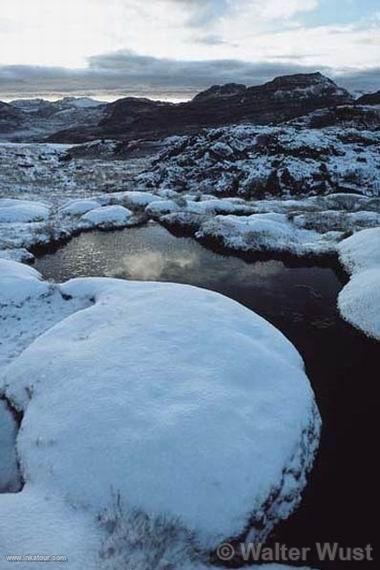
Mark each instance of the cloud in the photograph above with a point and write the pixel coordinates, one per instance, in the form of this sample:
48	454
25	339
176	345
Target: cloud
125	72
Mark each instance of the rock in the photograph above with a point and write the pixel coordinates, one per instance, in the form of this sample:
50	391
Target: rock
369	99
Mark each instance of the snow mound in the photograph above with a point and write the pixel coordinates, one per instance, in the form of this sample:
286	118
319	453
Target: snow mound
359	301
22	211
108	217
9	474
19	282
78	207
265	232
157	400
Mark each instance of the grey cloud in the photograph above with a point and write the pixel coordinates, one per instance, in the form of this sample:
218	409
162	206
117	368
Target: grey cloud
126	73
202	12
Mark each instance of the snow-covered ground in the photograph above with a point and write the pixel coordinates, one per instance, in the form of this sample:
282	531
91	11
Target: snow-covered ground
123	434
45	172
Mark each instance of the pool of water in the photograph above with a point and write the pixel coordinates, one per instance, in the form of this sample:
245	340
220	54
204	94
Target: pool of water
339	504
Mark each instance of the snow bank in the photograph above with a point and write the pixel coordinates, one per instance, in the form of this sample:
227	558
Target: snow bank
141	395
108	217
22	211
359	301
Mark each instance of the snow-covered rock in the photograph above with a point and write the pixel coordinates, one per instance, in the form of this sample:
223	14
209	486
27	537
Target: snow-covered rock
359	301
265	233
108	217
143	390
258	162
16	211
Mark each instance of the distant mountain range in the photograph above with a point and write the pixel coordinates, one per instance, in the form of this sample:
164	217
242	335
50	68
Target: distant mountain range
74	120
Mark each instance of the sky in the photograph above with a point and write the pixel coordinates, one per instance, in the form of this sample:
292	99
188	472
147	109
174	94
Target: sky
173	48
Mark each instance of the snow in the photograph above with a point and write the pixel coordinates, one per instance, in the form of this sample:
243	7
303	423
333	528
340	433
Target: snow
19	282
361	251
108	216
17	254
34	522
359	301
161	207
134	199
265	232
79	207
13	211
9	475
133	384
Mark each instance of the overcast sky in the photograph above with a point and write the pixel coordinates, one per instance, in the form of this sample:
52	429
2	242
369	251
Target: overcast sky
172	48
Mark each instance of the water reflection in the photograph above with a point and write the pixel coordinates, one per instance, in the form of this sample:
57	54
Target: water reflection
171	265
151	253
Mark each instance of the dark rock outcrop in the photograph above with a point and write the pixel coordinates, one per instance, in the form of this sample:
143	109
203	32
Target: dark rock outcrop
369	99
344	116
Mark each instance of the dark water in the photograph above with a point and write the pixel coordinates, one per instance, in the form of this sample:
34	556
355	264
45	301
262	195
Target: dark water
341	502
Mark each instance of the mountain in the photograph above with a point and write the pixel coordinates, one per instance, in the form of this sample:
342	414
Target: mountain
369	99
77	120
10	118
282	99
37	119
49	108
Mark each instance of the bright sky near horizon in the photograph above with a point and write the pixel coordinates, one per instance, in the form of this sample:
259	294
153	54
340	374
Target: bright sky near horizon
111	36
